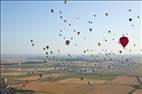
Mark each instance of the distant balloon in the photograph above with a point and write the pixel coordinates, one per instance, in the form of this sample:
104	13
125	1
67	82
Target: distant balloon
81	78
33	44
138	17
69	55
132	25
31	40
60	35
71	38
51	52
43	48
87	50
78	33
69	24
67	42
120	52
105	40
52	10
75	44
61	17
109	31
90	29
40	75
99	44
60	12
106	14
129	10
94	15
90	22
47	47
130	19
84	51
126	59
65	21
124	41
46	53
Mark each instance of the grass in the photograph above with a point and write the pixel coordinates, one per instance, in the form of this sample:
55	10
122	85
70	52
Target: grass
86	76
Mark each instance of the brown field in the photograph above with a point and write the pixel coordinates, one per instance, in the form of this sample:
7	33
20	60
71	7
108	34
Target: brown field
119	85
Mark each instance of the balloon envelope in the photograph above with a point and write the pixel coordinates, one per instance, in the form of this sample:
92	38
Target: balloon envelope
31	40
124	41
67	42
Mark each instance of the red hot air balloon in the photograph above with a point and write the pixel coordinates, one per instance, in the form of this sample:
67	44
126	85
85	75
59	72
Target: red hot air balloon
124	41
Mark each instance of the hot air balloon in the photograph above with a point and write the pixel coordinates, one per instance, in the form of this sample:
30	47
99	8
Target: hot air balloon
106	14
51	52
84	38
65	21
130	19
31	40
138	17
46	53
87	50
124	41
43	48
94	15
78	33
52	10
60	35
47	47
99	44
90	22
69	54
129	10
61	17
33	44
109	31
84	51
132	25
69	24
120	51
67	42
60	30
105	40
90	29
60	12
75	44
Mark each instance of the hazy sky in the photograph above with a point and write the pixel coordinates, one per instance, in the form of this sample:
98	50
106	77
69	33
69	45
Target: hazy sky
26	20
